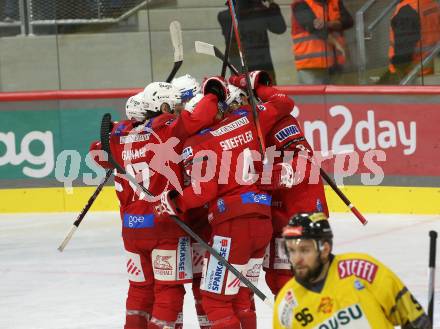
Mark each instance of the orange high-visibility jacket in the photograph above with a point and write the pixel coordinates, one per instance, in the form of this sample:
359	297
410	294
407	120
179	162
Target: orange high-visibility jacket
309	50
429	13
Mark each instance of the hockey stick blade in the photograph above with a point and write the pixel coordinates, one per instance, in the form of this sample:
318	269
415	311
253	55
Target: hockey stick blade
176	40
83	213
105	133
211	50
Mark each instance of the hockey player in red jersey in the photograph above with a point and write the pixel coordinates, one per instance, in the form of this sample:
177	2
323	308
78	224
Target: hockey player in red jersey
220	161
297	190
148	146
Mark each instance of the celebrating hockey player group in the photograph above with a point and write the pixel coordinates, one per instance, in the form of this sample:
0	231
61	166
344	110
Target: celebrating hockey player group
197	150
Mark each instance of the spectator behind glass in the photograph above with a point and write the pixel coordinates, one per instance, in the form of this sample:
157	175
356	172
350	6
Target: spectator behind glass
414	32
255	19
318	41
10	11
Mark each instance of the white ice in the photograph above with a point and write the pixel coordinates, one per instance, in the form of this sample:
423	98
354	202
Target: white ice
85	286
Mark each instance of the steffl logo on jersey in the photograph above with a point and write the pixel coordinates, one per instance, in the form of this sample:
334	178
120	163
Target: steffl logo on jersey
360	268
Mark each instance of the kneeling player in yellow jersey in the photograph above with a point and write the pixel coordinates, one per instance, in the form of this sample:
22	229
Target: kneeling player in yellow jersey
347	291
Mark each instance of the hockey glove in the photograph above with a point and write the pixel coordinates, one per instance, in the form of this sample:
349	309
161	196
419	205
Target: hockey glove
217	86
167	204
256	77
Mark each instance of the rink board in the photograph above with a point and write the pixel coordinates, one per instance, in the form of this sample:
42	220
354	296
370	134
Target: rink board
40	130
368	199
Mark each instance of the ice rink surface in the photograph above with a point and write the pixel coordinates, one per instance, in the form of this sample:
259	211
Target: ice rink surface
85	286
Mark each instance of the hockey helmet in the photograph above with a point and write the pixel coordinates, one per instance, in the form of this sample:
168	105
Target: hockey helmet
187	85
134	108
308	226
158	93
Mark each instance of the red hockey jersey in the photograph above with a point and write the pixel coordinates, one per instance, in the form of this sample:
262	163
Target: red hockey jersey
220	161
151	152
307	195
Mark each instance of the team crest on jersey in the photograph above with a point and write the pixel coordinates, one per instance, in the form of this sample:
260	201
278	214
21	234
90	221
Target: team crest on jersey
360	268
326	305
286	132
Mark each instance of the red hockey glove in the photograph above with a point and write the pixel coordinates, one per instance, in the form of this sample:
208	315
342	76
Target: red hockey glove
217	86
256	77
167	204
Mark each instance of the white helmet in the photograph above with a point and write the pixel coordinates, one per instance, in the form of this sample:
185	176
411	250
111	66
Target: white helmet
235	95
134	108
157	93
189	106
187	85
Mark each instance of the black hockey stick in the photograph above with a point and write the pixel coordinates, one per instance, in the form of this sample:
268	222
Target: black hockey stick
227	49
84	211
245	70
431	282
176	40
211	50
105	133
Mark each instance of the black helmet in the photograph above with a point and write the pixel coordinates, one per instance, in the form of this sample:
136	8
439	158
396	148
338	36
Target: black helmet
308	226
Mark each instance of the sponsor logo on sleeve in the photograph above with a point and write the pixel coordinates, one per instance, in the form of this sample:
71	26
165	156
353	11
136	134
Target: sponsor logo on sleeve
286	132
360	268
215	272
285	309
138	221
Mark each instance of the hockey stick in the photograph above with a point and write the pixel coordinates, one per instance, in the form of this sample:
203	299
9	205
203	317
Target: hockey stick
84	211
105	133
227	49
431	282
211	50
176	40
248	80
